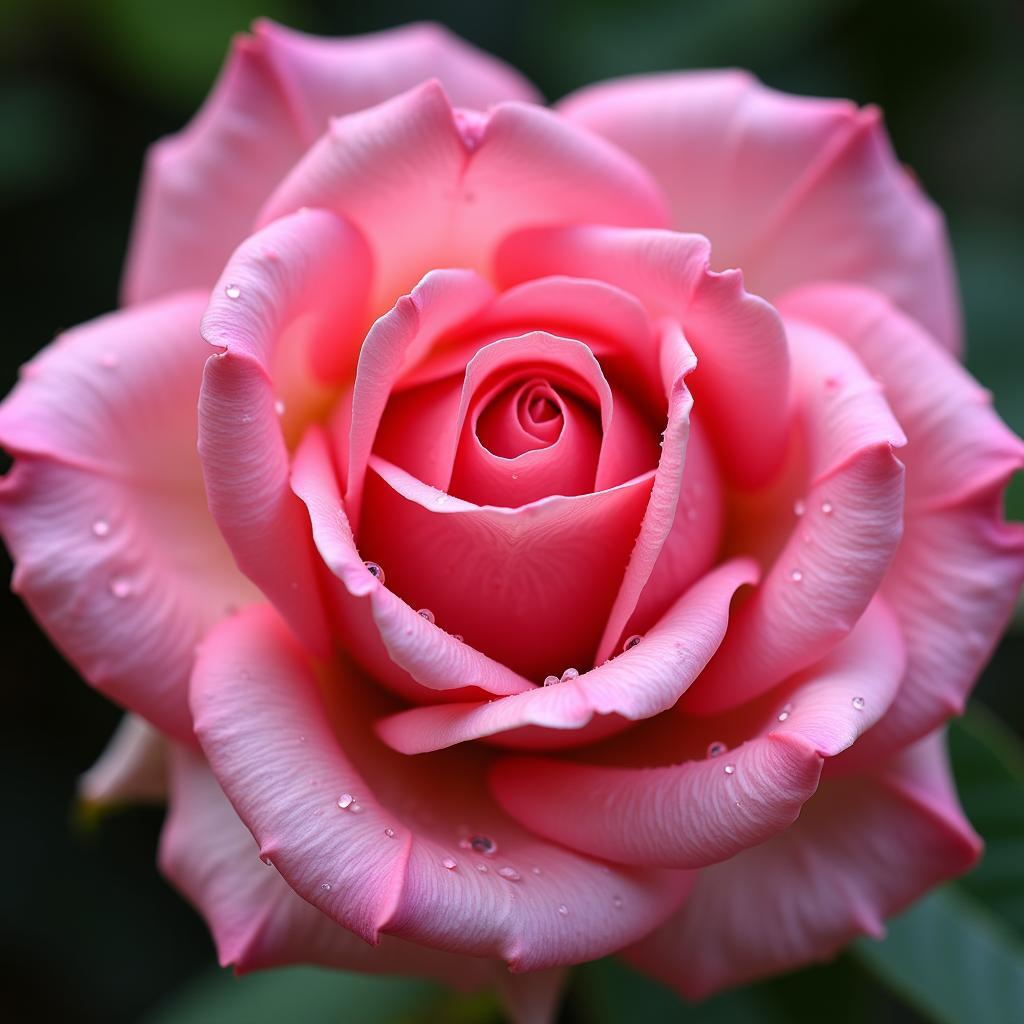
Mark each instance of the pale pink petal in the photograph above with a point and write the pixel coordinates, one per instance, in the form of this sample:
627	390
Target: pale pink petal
104	511
838	552
520	584
204	186
257	920
639	683
297	285
746	779
742	380
299	749
429	189
862	849
959	567
131	769
397	646
790	189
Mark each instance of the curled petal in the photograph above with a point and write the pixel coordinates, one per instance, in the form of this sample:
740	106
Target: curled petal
698	812
131	769
862	849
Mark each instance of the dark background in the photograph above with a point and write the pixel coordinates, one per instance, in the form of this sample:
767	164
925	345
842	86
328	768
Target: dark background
88	930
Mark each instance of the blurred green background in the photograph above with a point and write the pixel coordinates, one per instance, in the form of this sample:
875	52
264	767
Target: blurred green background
88	931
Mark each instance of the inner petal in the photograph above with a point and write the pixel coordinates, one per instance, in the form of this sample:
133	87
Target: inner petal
521	419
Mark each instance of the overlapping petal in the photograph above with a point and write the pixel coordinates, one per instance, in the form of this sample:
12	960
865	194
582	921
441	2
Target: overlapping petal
303	745
791	189
104	511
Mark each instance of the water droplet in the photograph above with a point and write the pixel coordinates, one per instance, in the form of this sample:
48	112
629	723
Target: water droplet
266	860
515	476
551	680
389	832
826	508
617	902
536	871
375	571
109	360
799	508
355	807
426	613
101	528
632	642
569	674
459	637
563	909
482	868
729	769
796	575
784	713
346	800
716	748
120	587
279	407
232	291
484	844
858	703
325	886
510	873
450	863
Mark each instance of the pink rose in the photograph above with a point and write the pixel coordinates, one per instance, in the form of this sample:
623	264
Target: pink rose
590	533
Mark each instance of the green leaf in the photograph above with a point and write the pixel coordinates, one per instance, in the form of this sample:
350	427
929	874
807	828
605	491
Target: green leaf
952	960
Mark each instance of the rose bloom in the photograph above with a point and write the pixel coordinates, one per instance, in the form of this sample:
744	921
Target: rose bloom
586	530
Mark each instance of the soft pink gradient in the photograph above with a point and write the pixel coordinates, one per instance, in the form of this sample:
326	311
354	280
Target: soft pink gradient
584	526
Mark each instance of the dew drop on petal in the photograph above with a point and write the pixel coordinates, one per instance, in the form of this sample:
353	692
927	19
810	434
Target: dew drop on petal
570	674
120	587
551	680
729	769
632	642
716	748
459	637
232	291
858	703
784	713
482	868
355	807
279	407
266	860
483	844
325	886
450	863
536	871
563	909
375	571
510	873
799	508
389	832
426	613
826	508
346	800
796	575
101	528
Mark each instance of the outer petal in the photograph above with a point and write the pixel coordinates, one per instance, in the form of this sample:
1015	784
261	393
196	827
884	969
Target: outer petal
286	761
430	189
257	920
836	555
298	285
742	381
204	186
131	769
788	188
861	850
698	812
104	511
959	567
641	682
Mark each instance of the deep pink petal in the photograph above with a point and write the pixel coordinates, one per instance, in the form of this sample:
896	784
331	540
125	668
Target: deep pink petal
291	290
838	552
862	849
298	748
640	683
788	188
704	810
204	186
959	567
397	646
131	769
742	377
427	190
257	920
104	511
